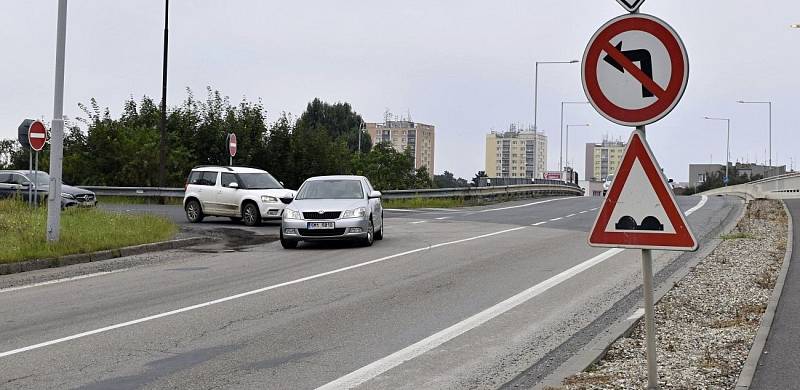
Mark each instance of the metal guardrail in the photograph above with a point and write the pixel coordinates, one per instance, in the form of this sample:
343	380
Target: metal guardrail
465	192
777	187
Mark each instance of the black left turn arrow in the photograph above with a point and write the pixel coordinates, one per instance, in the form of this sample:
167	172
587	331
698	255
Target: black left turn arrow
641	56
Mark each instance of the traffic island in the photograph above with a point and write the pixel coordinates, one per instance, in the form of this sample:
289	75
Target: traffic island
88	234
706	324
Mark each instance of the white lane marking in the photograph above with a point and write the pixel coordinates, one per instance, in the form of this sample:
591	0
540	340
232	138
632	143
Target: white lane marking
248	293
637	314
522	205
416	222
583	212
438	209
400	210
555	219
571	215
441	218
55	281
539	223
594	209
376	368
700	204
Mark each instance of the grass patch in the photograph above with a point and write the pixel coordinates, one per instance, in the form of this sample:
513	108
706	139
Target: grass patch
736	236
22	231
416	203
114	199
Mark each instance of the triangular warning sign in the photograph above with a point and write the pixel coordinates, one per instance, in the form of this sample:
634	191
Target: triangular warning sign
640	210
630	5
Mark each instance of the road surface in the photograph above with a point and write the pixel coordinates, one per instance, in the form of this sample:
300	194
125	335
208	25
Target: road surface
449	299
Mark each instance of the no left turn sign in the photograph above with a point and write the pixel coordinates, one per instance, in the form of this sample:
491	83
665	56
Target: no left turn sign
635	69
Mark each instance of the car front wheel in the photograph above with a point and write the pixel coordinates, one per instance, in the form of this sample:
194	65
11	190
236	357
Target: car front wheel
194	213
287	244
367	241
250	214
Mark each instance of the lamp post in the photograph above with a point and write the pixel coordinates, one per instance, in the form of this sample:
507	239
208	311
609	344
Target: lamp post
567	143
162	144
728	152
561	142
360	130
536	87
769	104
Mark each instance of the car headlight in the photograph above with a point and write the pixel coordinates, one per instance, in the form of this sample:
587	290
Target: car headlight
269	199
355	213
292	214
67	196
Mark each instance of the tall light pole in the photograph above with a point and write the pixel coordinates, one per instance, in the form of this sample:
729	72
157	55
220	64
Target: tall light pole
162	147
769	104
360	130
567	143
57	138
536	87
561	142
728	153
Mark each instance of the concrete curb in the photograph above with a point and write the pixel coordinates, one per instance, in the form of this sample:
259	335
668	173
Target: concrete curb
750	365
32	265
596	349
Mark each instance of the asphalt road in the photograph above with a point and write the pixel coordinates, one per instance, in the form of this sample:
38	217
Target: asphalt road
449	299
779	361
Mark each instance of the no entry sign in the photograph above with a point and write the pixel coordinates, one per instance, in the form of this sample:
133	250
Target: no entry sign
232	144
635	69
37	135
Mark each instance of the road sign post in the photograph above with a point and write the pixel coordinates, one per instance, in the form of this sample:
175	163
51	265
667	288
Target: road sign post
231	141
37	138
640	209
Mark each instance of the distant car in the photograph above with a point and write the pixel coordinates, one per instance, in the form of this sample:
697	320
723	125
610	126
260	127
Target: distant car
333	208
19	181
242	194
607	184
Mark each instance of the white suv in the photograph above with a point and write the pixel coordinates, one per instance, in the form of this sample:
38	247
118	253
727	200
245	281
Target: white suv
242	194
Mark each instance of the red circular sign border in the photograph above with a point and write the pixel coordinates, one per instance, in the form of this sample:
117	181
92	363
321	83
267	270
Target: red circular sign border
678	79
31	140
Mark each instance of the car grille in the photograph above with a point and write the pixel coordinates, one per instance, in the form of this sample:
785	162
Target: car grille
321	232
84	197
324	215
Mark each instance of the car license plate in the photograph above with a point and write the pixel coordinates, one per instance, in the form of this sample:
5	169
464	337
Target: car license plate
320	225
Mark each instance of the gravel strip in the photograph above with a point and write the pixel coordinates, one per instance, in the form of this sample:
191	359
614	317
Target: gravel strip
706	324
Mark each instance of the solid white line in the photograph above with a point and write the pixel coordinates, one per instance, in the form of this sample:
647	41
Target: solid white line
248	293
637	314
571	215
702	203
10	289
555	219
441	218
400	210
374	369
538	223
438	209
521	205
416	222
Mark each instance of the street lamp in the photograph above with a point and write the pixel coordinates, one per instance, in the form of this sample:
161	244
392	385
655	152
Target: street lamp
561	142
360	130
728	153
567	143
536	87
768	103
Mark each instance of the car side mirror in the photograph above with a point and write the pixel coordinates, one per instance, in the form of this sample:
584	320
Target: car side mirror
375	194
286	199
234	185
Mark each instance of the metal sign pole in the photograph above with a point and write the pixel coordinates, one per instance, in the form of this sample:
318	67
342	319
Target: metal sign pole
649	312
30	168
36	182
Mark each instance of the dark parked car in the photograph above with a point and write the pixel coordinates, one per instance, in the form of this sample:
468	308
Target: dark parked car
20	183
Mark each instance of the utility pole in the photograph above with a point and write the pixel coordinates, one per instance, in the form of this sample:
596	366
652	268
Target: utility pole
57	138
162	152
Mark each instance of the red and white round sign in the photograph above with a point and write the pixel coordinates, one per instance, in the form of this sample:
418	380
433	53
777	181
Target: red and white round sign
635	69
37	135
232	144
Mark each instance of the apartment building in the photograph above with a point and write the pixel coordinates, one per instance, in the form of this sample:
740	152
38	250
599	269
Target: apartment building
405	135
603	159
516	153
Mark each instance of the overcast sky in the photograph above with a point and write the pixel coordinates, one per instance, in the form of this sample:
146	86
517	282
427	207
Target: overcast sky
464	66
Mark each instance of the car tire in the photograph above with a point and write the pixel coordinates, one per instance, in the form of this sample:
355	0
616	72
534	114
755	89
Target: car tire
370	235
287	244
379	233
194	212
250	214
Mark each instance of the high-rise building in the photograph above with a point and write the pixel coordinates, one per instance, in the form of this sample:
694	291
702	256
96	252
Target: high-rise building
516	153
404	135
603	159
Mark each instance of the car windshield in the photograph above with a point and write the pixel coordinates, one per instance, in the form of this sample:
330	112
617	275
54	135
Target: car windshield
259	181
331	189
